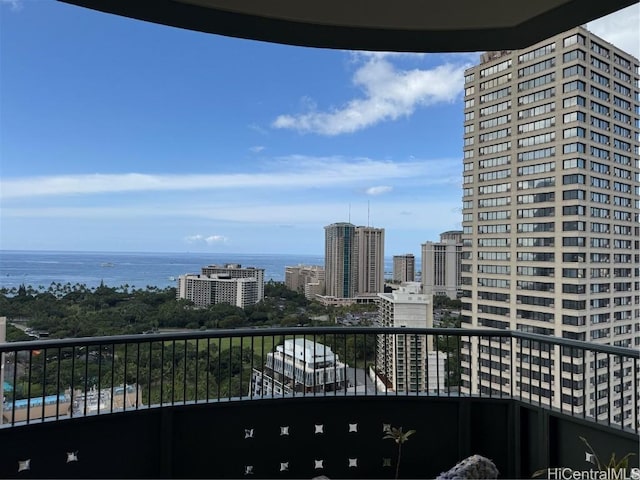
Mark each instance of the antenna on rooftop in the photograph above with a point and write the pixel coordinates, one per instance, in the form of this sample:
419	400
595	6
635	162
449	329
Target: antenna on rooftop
349	213
368	211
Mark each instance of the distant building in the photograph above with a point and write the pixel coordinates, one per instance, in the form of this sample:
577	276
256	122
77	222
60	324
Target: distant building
354	261
235	270
300	366
404	268
78	403
339	264
306	279
408	363
442	265
313	290
369	255
230	284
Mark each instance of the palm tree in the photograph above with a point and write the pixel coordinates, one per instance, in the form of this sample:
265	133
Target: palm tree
398	436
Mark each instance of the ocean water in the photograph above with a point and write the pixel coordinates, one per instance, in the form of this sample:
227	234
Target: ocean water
139	270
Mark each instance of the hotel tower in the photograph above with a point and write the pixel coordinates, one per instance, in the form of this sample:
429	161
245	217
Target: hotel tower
354	260
550	218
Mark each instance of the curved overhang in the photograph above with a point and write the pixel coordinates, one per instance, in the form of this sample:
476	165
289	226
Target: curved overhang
374	25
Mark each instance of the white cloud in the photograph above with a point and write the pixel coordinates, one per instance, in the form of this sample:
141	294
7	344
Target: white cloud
388	94
212	239
621	28
257	149
209	240
294	172
378	190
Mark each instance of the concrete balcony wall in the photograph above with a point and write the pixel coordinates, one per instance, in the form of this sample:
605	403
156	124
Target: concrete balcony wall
224	439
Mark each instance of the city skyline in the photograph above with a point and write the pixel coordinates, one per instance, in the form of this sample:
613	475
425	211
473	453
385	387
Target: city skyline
119	135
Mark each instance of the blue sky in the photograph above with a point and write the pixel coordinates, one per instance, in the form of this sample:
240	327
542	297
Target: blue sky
119	135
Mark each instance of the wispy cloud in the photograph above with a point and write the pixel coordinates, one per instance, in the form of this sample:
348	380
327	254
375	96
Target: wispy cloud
294	172
207	239
388	93
412	213
621	29
257	149
378	190
14	4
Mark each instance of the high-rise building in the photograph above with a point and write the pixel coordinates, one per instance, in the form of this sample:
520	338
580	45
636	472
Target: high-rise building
404	268
339	265
408	363
551	197
442	265
354	260
369	255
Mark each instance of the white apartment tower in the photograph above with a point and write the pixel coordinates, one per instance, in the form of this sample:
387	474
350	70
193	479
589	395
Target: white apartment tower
551	240
205	290
404	268
235	270
442	265
408	363
229	283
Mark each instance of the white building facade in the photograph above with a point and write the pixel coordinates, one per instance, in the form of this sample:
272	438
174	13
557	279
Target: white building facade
408	363
442	265
299	366
230	284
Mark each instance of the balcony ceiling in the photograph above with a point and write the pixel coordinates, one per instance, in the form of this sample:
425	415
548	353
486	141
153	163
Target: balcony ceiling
376	25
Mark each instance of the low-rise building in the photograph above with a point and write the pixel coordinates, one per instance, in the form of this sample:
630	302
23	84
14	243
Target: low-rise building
299	365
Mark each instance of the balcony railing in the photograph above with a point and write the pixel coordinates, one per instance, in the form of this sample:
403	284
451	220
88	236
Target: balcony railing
61	379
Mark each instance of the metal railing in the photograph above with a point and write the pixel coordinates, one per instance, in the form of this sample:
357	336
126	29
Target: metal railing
59	379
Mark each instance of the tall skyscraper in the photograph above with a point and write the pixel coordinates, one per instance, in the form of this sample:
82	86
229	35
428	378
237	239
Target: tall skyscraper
404	268
550	212
339	263
369	254
442	265
354	260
